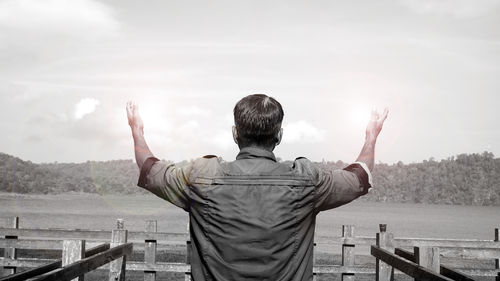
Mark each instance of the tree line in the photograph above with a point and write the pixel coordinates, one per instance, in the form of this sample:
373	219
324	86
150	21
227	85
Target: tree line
465	179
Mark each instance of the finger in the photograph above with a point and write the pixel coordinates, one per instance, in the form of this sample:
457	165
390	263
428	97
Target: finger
129	107
384	115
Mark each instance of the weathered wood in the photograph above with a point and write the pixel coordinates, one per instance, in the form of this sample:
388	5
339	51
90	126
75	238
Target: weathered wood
458	243
50	266
91	235
427	257
384	271
10	252
410	268
87	264
117	268
31	244
73	250
348	254
497	239
470	253
443	270
150	251
187	275
315	277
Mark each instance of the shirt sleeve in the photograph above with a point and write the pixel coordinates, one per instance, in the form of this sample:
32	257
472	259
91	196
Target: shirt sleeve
167	180
338	187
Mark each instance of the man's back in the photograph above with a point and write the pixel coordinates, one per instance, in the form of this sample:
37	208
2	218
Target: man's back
253	218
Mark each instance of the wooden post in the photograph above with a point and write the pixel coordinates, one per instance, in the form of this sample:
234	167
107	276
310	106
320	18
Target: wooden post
73	250
150	251
348	251
117	267
315	277
384	272
187	275
427	257
10	253
497	239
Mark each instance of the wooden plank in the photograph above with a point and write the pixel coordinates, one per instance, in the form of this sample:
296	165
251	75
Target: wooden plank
470	253
20	276
150	251
87	264
458	243
497	240
384	271
427	257
100	235
11	252
117	268
31	244
187	274
159	267
410	268
444	270
348	254
50	266
73	250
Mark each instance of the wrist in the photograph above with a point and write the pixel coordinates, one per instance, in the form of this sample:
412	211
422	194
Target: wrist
370	138
137	131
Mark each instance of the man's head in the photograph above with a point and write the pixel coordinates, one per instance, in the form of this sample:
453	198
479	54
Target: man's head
257	120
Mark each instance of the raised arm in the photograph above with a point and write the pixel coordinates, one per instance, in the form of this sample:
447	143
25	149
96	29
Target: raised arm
367	154
141	148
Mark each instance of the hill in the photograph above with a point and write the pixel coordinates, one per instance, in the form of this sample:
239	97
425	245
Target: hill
465	179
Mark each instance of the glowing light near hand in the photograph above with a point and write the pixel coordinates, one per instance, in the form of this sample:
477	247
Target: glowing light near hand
359	115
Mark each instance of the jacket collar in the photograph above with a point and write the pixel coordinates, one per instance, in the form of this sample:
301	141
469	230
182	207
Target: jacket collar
255	152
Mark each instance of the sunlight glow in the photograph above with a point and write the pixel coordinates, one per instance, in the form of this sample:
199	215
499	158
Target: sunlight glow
359	115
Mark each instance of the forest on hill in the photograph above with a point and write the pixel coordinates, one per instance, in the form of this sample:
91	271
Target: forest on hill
465	179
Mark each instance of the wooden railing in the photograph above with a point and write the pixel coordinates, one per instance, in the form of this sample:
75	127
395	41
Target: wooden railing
151	241
75	261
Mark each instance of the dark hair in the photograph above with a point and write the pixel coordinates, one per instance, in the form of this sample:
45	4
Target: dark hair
258	120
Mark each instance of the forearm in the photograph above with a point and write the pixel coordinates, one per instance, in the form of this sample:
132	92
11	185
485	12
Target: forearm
141	148
367	154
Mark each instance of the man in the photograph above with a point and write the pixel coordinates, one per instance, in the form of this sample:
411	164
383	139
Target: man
253	218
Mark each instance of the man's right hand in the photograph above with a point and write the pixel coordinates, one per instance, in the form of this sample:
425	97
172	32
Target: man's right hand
375	124
134	119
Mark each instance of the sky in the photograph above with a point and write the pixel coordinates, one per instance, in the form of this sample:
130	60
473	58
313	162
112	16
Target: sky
67	69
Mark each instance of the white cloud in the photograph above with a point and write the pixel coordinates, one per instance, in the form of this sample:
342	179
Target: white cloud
455	8
302	131
85	106
47	27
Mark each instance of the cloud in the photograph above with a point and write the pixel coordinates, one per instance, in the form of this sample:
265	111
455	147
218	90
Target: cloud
455	8
85	106
302	131
46	28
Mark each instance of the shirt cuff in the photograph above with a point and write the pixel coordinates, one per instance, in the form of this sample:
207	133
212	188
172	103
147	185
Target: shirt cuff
365	167
146	167
363	173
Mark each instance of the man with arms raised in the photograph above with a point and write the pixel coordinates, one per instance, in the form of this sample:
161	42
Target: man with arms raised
253	218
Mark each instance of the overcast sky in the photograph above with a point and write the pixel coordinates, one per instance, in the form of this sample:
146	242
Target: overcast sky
67	69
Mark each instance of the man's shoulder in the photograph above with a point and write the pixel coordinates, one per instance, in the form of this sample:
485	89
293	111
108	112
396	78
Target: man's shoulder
208	165
304	166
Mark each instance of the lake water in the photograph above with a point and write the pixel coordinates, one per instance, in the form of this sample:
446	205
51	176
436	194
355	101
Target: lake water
100	212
